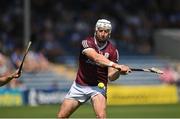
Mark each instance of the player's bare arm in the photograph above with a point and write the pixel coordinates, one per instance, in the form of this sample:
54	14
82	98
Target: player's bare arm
104	62
98	58
114	73
4	80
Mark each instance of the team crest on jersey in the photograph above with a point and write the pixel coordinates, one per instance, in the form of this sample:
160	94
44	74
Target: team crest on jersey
106	55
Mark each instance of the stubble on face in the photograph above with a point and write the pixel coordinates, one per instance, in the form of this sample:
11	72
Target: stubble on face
102	35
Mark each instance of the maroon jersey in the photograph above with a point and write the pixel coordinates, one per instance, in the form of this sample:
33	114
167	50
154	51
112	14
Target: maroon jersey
90	73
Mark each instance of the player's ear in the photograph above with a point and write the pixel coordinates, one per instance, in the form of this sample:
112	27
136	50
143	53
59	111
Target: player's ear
95	33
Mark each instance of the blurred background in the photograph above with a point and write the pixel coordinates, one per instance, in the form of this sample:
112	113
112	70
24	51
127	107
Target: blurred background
146	33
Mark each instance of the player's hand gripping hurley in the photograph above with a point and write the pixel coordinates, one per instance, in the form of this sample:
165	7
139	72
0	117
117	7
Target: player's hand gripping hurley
22	62
152	70
125	69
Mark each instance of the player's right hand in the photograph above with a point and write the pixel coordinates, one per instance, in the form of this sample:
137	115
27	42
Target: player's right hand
123	69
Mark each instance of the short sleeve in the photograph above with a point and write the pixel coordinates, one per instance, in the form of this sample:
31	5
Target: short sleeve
85	44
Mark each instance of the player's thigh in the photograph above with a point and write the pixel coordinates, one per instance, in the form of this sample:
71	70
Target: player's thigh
68	107
99	103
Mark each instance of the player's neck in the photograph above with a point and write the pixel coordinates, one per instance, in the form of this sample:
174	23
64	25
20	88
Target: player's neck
99	44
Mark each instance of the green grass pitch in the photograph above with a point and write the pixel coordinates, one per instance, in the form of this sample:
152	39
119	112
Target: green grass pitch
86	111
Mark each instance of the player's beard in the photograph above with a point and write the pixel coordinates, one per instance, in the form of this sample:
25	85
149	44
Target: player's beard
102	40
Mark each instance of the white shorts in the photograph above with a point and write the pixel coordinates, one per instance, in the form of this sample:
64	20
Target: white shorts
84	93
